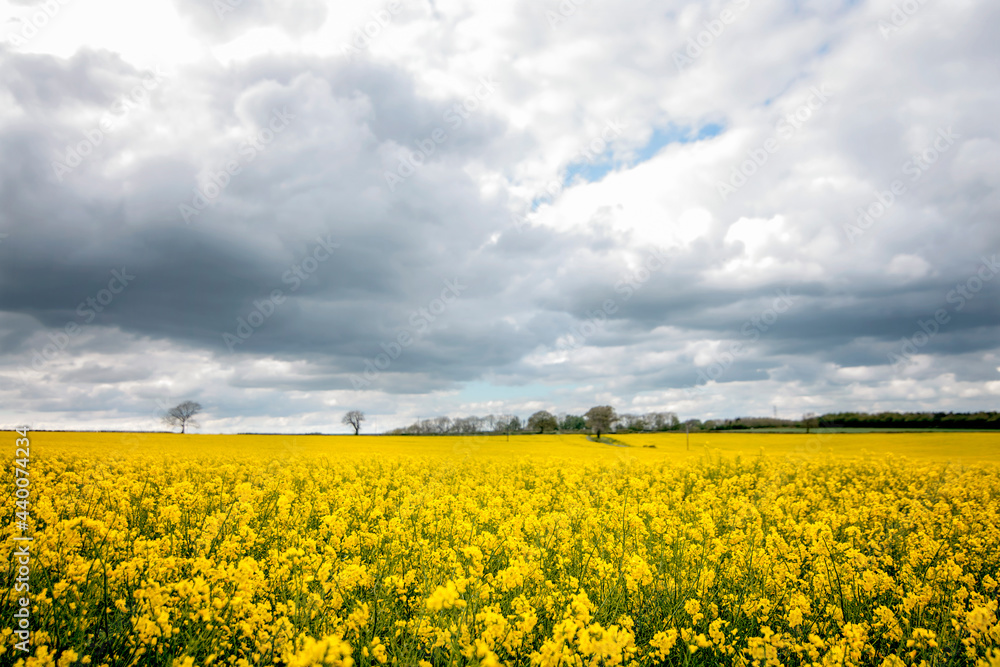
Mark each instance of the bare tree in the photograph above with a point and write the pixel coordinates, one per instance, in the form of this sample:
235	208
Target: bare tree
507	423
810	421
354	419
467	425
501	423
182	415
662	421
629	422
442	424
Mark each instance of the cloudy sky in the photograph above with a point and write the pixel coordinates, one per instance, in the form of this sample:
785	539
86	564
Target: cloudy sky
286	209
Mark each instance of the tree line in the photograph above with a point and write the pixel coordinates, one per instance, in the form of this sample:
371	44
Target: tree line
970	420
604	418
543	421
920	420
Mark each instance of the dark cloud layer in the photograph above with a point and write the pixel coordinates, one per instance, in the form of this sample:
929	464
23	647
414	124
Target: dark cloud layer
322	265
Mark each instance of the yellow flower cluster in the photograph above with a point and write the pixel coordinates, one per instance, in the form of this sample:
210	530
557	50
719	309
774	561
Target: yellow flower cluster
505	558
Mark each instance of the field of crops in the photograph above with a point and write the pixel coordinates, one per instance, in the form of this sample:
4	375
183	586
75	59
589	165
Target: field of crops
541	550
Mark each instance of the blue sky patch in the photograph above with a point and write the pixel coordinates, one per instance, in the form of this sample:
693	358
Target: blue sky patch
591	171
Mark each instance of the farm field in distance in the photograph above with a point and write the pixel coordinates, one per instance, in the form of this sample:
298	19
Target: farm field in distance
550	550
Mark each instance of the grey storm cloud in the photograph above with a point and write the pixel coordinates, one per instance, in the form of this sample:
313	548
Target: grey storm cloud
289	217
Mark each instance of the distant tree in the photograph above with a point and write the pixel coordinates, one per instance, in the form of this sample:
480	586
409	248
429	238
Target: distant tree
662	421
506	424
501	423
625	422
693	424
467	425
632	423
542	421
600	418
810	421
182	415
573	423
354	419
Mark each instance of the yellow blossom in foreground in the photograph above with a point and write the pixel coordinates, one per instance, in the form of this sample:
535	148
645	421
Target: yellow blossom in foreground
545	550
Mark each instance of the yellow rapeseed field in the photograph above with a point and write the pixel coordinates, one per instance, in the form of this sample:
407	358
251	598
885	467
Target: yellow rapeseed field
749	549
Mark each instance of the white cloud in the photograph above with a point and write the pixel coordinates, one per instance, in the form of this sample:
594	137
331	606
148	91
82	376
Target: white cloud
837	108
